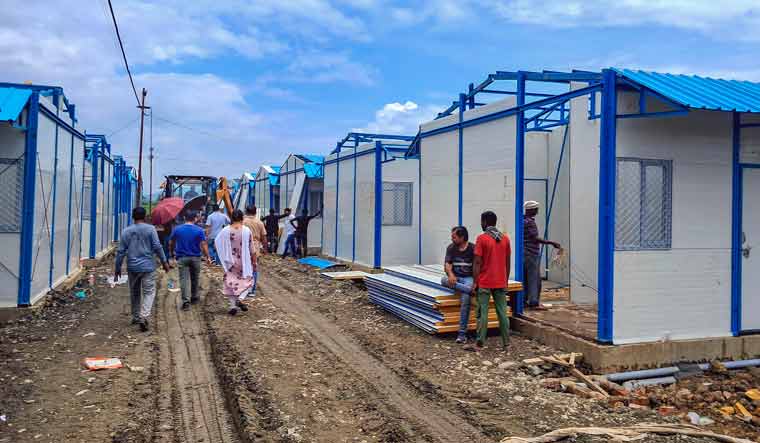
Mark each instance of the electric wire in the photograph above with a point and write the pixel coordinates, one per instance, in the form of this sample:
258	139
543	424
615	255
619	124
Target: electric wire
132	122
123	54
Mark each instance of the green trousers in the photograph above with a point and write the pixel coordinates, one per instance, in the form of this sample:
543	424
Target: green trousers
500	300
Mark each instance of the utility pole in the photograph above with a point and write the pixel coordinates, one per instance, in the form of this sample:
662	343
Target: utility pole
150	161
139	161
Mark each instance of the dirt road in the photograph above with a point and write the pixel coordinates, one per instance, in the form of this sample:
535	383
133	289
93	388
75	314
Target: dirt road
196	402
311	361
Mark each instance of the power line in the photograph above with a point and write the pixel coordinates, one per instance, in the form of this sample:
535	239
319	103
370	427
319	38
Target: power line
200	131
123	54
132	122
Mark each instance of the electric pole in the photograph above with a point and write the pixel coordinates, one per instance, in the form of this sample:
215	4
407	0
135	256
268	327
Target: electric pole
150	161
139	161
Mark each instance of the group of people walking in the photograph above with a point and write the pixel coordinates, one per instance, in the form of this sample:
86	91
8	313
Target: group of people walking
481	271
235	242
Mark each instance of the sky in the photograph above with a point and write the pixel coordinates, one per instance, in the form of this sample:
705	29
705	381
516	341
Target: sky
234	84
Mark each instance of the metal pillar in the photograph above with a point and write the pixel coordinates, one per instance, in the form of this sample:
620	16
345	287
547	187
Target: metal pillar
519	189
736	228
26	257
607	177
378	203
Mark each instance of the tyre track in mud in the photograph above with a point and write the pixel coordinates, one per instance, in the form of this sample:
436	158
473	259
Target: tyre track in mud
440	424
197	406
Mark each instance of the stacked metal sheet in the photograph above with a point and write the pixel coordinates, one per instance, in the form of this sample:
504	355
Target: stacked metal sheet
415	294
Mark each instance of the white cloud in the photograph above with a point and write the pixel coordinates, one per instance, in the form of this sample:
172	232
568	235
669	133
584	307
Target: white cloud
401	118
735	19
320	67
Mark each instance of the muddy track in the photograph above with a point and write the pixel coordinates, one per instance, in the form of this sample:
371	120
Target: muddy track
191	389
439	423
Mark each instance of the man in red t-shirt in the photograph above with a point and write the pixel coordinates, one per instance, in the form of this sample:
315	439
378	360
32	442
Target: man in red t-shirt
491	275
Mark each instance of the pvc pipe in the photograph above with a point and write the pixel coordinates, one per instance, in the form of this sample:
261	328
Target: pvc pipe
646	373
738	364
633	384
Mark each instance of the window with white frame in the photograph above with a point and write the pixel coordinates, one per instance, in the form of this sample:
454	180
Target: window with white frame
11	194
397	203
643	205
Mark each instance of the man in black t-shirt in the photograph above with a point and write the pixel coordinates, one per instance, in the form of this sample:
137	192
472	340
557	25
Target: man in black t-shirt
458	266
272	224
301	223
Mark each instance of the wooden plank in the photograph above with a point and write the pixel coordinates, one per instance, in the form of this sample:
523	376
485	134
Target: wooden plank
590	383
538	360
346	275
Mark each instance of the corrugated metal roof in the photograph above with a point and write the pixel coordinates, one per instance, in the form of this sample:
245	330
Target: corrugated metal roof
12	102
700	92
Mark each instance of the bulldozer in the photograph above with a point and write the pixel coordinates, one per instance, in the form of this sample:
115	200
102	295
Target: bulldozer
189	187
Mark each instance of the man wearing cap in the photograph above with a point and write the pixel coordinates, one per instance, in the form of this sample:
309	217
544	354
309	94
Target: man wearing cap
532	255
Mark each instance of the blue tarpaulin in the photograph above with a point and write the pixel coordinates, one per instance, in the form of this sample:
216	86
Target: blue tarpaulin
317	262
12	102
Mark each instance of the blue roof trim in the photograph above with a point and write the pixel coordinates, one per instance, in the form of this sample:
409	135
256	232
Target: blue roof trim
12	102
699	92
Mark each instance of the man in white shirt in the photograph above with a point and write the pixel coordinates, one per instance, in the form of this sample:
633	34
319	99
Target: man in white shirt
214	225
290	235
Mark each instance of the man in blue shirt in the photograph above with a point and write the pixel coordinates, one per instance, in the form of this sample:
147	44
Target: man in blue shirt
186	244
214	225
139	243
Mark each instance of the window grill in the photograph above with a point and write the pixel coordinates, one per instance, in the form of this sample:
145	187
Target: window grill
643	207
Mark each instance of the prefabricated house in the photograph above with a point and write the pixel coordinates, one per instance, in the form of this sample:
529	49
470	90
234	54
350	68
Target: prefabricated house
267	189
359	227
301	187
652	182
245	193
52	183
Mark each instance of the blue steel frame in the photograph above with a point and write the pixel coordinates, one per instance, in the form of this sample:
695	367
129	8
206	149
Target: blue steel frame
27	224
33	109
387	147
541	113
737	225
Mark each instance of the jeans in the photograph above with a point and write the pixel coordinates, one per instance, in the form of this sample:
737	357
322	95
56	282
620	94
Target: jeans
464	287
189	271
212	251
302	245
142	292
500	300
532	279
272	241
290	246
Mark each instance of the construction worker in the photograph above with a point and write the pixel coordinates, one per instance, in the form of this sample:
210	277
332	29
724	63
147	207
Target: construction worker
139	243
532	255
491	275
272	225
302	230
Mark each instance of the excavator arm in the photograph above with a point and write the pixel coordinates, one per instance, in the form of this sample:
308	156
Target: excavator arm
223	195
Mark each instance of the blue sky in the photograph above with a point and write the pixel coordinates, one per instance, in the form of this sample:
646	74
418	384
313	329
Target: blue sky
271	77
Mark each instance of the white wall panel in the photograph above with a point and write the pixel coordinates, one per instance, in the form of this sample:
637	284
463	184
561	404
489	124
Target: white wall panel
43	207
584	201
440	194
328	214
399	243
61	203
684	292
346	207
365	210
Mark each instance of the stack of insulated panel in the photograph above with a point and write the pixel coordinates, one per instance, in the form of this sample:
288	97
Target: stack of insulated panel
415	294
